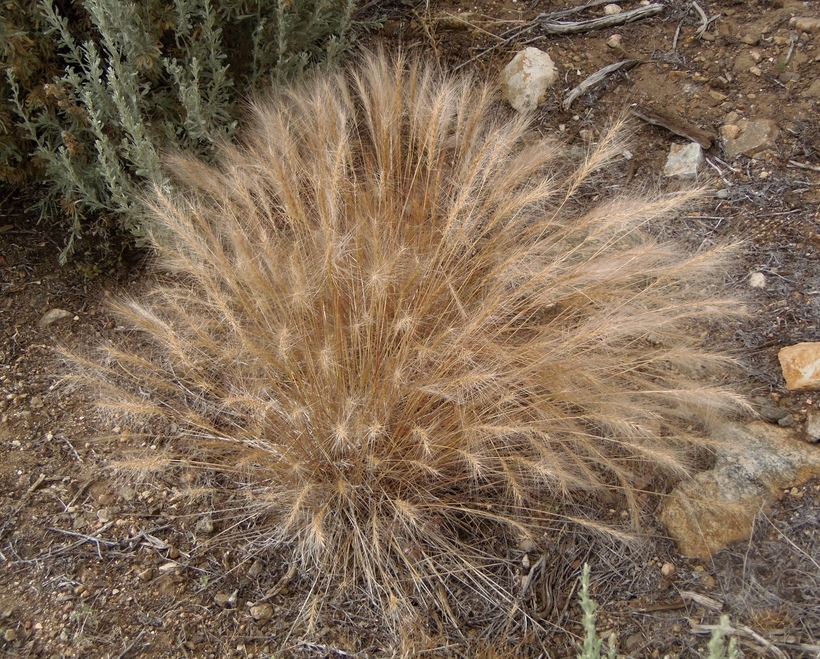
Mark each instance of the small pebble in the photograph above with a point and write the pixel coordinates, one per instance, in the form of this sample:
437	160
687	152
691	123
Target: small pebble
609	10
772	413
262	612
667	569
205	526
813	427
146	575
256	569
730	131
10	636
757	280
222	599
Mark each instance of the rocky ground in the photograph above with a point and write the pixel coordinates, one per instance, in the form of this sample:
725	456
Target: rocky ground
97	568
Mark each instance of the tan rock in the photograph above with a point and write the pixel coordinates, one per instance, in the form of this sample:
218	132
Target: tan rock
719	506
805	23
262	612
730	131
754	137
801	366
615	41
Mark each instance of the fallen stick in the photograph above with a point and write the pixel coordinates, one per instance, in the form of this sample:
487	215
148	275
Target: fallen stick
569	12
701	599
704	19
676	124
803	165
574	27
93	537
597	77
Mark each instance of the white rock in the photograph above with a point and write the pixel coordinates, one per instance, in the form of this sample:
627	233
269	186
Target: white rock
526	78
612	9
801	366
757	280
683	160
54	316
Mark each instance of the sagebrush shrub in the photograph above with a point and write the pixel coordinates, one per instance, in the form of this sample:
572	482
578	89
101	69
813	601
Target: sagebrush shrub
96	90
391	320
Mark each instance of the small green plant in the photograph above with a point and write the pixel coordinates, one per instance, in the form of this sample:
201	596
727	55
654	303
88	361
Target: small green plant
592	642
84	615
717	647
127	81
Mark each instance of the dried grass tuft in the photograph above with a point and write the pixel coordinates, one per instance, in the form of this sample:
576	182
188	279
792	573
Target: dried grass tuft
391	322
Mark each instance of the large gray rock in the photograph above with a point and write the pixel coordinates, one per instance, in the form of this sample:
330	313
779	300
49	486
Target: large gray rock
719	506
526	78
753	137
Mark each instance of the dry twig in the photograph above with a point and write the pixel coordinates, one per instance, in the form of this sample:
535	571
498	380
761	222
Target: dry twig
576	27
596	78
674	123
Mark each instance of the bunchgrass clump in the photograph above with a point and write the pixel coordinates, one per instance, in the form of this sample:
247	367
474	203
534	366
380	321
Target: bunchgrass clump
391	320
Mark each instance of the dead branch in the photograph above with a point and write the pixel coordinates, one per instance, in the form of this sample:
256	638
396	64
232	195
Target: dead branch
569	12
94	537
676	124
803	165
597	77
574	27
705	21
703	600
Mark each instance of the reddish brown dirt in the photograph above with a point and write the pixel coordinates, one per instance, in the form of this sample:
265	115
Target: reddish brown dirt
96	568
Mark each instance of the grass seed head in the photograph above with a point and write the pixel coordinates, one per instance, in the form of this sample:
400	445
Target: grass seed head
392	320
